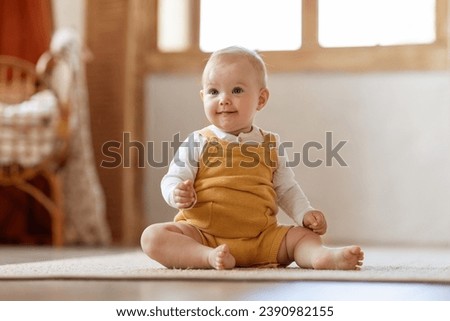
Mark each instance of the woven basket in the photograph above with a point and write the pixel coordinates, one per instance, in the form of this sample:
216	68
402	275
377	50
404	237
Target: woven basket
34	132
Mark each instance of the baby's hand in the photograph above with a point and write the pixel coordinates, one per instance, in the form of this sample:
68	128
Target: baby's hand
315	221
184	194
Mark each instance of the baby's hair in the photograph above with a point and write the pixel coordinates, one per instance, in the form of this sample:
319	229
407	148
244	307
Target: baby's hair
253	57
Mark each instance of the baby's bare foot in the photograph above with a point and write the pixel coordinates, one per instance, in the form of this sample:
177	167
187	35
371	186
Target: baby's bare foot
220	258
345	258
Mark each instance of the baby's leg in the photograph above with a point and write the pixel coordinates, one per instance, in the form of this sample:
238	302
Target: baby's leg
305	248
178	245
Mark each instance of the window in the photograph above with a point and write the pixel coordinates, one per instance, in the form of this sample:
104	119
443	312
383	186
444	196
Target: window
265	25
173	25
358	23
294	35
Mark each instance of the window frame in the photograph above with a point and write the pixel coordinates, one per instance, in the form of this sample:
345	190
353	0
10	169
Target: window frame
311	56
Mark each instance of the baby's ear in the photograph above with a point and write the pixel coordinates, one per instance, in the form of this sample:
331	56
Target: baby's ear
201	94
263	98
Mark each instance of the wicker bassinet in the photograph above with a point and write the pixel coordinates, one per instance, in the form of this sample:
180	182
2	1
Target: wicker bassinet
34	132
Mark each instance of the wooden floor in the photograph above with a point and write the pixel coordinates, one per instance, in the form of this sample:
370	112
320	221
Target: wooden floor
195	290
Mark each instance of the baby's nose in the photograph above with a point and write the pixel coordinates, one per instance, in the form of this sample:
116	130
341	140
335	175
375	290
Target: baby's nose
224	99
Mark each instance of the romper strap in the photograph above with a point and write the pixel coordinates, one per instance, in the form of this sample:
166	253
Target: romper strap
269	138
207	133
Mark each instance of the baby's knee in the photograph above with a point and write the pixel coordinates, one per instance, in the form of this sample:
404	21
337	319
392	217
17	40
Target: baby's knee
299	233
150	238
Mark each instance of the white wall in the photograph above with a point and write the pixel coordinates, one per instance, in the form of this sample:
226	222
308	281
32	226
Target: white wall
395	189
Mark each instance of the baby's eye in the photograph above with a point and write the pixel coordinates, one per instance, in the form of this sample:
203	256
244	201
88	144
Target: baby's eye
213	91
238	90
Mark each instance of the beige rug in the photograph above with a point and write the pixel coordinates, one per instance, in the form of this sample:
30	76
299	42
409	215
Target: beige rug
381	264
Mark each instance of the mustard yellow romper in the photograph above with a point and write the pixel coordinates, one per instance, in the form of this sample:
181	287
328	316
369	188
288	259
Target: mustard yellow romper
236	202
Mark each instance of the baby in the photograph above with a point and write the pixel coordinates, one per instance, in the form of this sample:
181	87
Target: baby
228	180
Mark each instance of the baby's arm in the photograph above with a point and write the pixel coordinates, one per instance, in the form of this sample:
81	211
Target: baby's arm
297	206
293	200
177	185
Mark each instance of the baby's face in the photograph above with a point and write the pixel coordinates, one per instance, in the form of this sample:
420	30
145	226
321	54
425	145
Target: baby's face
232	94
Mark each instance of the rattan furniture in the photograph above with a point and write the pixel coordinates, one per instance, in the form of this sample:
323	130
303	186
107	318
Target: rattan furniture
34	132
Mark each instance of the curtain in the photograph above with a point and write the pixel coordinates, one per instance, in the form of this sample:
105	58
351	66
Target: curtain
26	27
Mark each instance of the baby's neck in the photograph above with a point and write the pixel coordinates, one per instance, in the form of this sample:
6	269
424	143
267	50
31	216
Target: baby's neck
240	132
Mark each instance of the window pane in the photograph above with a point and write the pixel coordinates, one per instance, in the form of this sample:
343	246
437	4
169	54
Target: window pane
256	24
350	23
173	25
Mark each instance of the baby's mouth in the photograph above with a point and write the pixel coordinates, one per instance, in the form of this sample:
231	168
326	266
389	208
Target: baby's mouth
226	112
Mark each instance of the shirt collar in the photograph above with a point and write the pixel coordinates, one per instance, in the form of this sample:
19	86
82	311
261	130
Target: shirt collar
253	135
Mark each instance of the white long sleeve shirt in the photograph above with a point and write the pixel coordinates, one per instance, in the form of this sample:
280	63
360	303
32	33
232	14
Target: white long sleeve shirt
184	166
